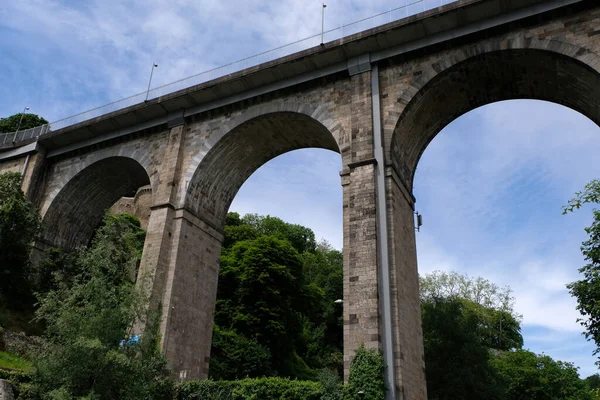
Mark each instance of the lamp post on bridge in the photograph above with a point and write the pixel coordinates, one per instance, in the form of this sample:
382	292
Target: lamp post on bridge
323	22
19	124
154	65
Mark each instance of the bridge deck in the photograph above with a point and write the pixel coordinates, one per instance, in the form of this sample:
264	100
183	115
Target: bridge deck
350	53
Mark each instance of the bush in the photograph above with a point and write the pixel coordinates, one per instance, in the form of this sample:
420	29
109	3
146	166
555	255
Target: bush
366	374
251	389
234	356
88	317
14	376
332	385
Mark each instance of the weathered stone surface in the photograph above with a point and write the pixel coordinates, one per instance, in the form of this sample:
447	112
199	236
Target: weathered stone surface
138	206
19	343
193	170
6	390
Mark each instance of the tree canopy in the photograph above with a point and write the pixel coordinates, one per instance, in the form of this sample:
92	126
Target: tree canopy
530	376
89	317
11	123
19	225
587	289
456	361
275	309
441	284
473	346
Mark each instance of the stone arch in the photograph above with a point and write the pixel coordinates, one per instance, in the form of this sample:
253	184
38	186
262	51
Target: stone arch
508	69
238	149
73	213
64	171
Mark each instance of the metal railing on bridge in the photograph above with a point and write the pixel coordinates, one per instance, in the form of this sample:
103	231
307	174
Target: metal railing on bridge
403	11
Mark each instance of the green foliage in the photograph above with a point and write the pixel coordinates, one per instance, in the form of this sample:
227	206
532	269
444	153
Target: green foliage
456	360
19	225
529	376
300	237
234	356
277	289
452	285
259	292
593	381
587	289
367	375
13	361
496	329
88	316
15	376
590	194
58	267
333	388
322	334
11	123
250	389
498	325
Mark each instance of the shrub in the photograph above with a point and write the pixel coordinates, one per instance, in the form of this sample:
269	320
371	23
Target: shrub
251	389
332	385
14	376
234	356
366	374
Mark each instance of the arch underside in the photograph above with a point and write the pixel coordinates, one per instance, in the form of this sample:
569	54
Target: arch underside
242	151
483	79
78	208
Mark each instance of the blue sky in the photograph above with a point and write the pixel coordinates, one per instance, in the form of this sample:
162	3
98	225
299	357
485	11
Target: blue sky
490	186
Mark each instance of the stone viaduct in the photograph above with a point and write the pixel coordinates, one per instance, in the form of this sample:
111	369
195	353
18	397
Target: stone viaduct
377	98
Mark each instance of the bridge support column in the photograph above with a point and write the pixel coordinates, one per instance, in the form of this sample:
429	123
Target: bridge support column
185	252
381	284
361	292
361	300
33	173
404	278
179	271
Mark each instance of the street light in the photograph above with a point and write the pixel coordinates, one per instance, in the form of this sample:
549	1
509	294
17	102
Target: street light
150	81
338	301
323	22
361	394
19	124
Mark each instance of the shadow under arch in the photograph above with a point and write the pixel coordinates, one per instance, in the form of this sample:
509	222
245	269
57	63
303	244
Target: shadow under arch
484	79
78	208
243	150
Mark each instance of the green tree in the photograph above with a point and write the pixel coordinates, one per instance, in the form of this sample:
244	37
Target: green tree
19	225
271	268
493	307
88	316
529	376
593	381
323	323
456	360
234	356
11	123
259	294
300	237
441	284
587	289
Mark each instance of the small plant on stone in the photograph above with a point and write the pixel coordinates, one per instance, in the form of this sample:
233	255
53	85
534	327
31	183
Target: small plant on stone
366	375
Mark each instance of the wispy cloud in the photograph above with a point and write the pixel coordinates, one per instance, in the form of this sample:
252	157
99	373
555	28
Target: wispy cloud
491	187
63	57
